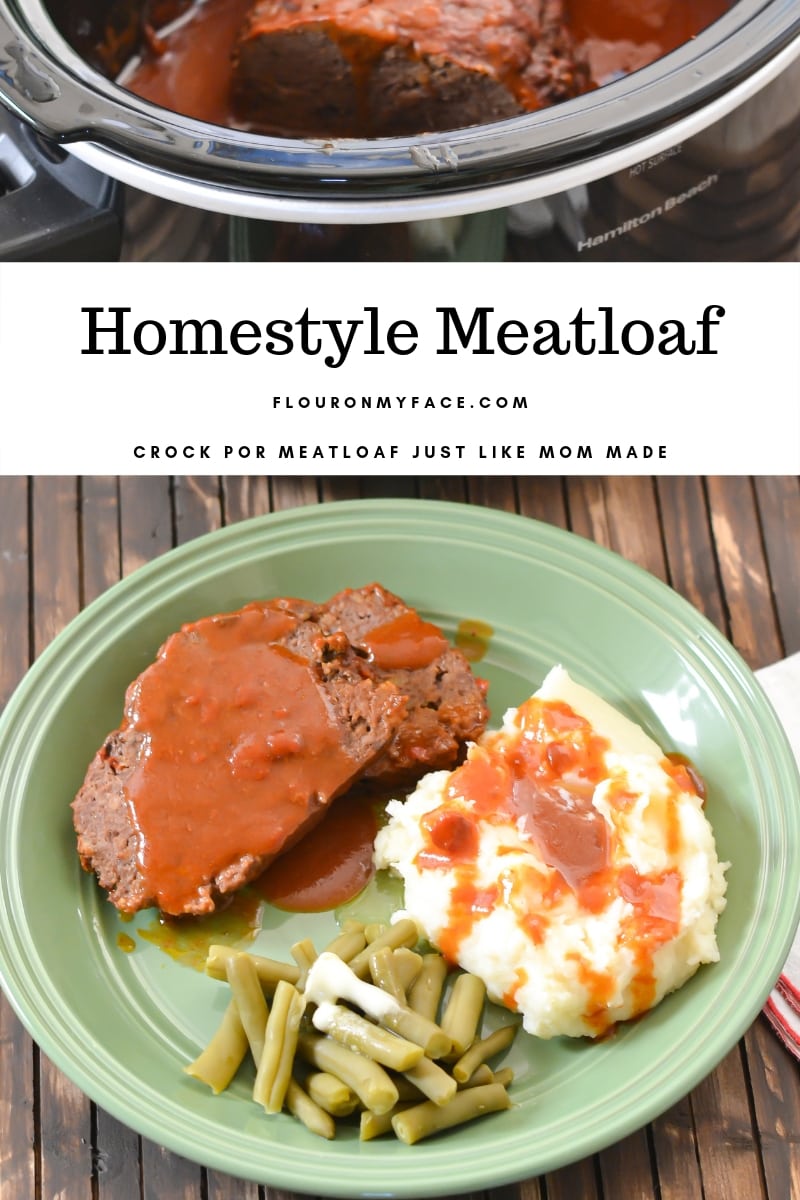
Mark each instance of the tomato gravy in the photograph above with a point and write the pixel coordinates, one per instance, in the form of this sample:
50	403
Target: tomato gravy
237	739
330	866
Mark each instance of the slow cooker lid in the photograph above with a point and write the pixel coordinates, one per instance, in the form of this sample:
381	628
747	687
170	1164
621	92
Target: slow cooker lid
44	80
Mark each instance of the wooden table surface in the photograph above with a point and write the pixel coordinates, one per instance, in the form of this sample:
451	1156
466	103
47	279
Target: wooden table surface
730	545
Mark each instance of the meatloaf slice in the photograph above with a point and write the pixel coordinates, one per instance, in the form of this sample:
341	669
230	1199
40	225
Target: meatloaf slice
366	68
445	703
234	742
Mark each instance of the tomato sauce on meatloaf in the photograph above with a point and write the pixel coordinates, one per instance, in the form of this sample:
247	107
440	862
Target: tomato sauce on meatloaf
236	740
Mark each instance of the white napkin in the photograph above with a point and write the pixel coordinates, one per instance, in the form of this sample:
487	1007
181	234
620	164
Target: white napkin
781	682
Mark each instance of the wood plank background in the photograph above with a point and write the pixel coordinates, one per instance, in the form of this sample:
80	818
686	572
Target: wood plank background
729	545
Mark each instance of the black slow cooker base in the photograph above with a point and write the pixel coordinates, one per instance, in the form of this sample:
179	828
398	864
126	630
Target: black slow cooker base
53	207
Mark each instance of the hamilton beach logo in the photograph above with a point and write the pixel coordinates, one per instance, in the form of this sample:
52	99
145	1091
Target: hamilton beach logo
658	210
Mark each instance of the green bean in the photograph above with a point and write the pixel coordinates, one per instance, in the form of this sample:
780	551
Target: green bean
482	1074
300	1105
371	1125
416	1028
355	1032
426	993
398	1032
269	970
304	954
280	1042
406	1090
350	942
384	975
432	1081
375	930
366	1078
219	1062
463	1012
402	933
331	1094
483	1049
249	997
425	1119
407	966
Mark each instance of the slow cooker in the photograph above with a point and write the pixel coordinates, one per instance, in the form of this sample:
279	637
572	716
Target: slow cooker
694	157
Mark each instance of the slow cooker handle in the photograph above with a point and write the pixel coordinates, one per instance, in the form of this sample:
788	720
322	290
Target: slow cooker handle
38	88
52	206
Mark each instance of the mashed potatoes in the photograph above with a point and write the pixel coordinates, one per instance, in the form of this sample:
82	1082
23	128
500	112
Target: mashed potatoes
567	862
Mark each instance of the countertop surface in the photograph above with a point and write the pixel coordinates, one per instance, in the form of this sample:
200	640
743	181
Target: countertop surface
730	545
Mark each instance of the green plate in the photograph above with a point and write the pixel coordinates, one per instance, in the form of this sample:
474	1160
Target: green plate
122	1025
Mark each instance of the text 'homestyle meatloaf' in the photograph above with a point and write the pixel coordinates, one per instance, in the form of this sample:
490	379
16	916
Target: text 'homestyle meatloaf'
367	68
238	737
